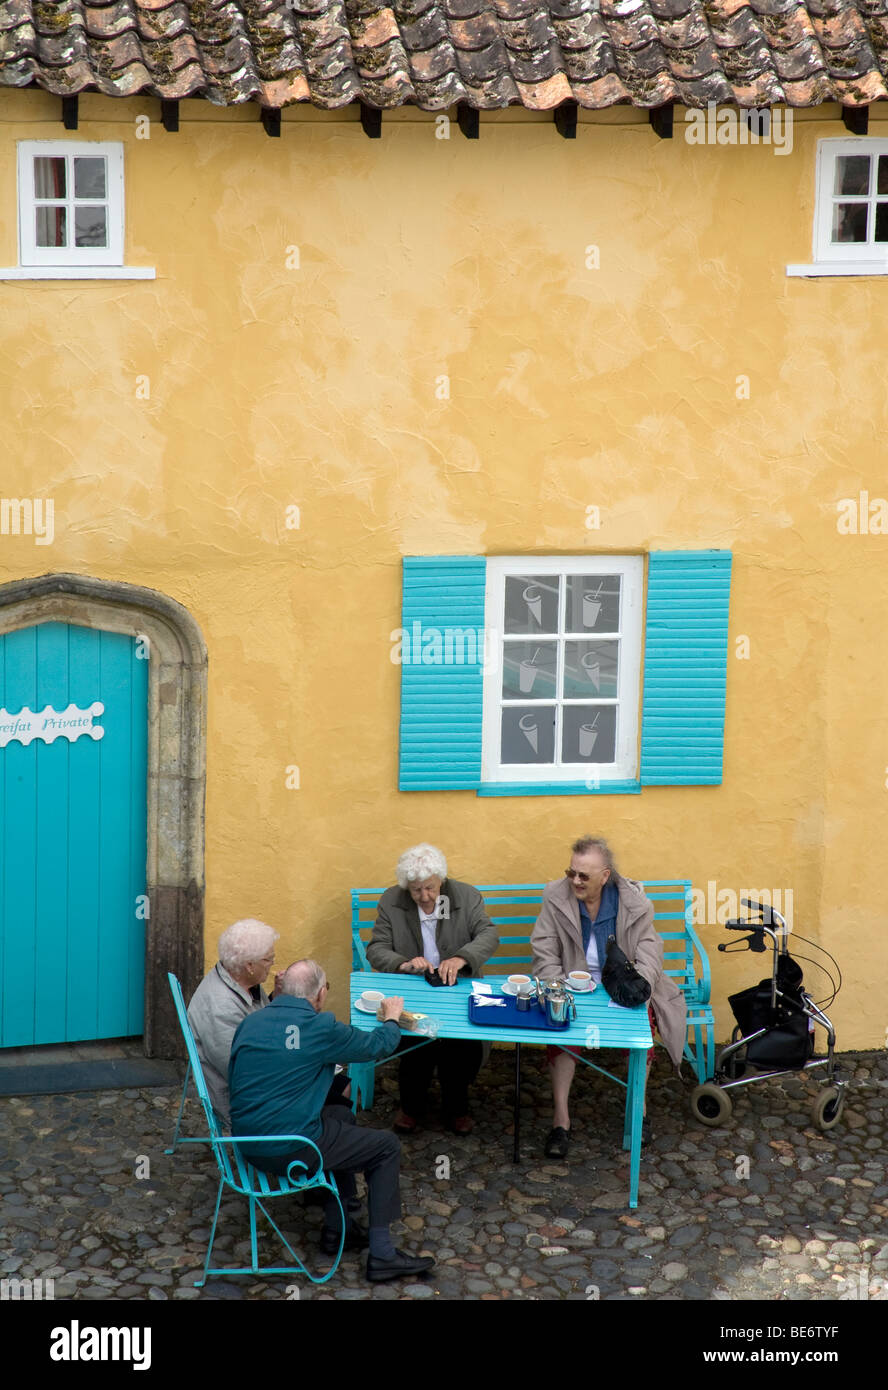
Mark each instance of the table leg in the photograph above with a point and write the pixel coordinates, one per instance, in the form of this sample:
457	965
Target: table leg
637	1082
516	1154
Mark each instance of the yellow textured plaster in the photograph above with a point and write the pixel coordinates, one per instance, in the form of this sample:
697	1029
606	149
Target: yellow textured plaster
615	387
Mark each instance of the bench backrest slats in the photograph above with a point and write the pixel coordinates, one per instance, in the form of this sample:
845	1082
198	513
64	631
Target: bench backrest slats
672	905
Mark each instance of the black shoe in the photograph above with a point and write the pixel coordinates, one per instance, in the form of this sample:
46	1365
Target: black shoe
647	1134
402	1266
557	1143
356	1238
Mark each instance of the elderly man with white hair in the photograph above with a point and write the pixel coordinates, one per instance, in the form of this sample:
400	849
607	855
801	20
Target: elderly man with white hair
281	1068
224	997
430	922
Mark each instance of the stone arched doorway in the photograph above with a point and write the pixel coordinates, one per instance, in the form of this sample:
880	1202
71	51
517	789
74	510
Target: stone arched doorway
177	682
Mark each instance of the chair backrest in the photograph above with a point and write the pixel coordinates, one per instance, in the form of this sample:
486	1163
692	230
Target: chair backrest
220	1150
514	907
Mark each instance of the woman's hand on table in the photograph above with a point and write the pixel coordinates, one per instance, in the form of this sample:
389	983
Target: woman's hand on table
449	969
392	1008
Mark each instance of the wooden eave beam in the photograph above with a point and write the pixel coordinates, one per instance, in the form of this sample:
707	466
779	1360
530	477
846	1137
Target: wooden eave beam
661	118
371	120
169	114
856	119
566	120
469	120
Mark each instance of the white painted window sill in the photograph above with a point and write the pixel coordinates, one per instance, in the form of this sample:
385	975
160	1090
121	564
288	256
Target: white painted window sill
839	268
78	272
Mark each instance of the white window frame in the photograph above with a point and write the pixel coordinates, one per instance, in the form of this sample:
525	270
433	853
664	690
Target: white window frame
32	254
847	258
625	765
71	262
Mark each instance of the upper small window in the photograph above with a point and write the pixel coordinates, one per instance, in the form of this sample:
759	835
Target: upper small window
561	702
852	200
70	203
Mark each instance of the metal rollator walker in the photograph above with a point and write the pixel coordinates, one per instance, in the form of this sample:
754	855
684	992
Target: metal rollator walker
774	1034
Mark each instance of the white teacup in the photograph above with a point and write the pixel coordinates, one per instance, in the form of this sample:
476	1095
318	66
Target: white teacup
580	979
372	998
521	984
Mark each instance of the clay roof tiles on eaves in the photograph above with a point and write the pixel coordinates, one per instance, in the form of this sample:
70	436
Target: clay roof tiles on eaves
434	53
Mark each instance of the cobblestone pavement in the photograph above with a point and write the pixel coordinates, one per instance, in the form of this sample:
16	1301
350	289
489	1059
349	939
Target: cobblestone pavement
810	1221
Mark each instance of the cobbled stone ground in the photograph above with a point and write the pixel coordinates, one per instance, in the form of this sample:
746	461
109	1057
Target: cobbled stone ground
809	1222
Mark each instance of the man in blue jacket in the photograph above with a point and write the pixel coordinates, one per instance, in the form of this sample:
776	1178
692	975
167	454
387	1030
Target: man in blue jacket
279	1075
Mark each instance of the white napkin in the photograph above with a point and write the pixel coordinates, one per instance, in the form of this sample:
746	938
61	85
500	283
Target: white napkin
479	987
483	999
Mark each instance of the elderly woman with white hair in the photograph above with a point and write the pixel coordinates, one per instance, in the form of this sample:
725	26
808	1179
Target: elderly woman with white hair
224	997
430	922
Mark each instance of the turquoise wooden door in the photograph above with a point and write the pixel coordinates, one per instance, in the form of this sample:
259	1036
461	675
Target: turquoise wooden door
73	841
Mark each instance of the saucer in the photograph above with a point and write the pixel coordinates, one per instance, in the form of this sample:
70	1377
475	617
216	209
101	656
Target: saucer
580	989
366	1008
512	990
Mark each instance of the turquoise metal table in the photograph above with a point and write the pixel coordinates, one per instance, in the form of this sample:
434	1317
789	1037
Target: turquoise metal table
599	1024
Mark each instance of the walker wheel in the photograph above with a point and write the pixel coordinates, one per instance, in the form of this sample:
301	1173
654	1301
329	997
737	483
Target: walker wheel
711	1105
826	1110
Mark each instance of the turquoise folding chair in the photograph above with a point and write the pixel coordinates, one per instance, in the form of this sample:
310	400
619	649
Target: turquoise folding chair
240	1176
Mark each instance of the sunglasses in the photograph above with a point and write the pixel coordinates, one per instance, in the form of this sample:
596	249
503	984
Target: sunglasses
581	878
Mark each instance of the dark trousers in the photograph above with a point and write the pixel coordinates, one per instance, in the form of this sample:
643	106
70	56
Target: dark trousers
347	1150
457	1062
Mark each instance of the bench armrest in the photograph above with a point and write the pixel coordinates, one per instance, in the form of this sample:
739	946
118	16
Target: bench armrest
704	982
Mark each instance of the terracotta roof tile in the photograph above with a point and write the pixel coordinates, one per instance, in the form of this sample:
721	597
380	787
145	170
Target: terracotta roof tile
434	53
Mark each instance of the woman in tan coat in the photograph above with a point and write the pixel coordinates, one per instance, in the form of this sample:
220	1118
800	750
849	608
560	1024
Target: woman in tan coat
578	914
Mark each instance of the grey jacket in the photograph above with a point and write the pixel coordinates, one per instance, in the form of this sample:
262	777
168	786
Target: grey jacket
218	1006
557	943
467	932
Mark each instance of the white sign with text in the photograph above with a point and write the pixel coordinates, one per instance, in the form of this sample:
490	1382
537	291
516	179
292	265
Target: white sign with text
49	724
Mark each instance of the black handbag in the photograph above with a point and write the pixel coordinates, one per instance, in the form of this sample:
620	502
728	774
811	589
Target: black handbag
621	980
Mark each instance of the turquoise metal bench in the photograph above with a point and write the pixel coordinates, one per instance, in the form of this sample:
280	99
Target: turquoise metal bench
236	1174
514	907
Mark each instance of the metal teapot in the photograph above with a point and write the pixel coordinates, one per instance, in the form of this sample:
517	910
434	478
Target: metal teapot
556	1000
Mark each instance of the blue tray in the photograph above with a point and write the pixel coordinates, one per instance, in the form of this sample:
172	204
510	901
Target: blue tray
512	1017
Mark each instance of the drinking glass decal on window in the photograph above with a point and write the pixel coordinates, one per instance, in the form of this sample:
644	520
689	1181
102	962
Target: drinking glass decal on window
531	604
529	669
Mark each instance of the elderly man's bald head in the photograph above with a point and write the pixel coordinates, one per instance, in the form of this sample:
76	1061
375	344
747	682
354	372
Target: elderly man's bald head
304	979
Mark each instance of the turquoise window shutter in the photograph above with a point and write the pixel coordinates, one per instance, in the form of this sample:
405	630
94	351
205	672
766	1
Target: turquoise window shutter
685	667
442	649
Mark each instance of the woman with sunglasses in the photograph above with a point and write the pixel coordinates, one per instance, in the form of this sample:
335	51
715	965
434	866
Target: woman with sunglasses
578	914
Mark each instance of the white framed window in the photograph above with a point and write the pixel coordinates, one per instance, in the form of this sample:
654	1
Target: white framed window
561	699
70	203
851	209
71	212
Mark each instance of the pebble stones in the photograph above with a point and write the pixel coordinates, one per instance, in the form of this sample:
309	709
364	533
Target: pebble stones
763	1207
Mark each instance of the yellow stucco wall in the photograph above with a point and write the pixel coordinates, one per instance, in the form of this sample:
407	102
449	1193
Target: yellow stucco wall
569	387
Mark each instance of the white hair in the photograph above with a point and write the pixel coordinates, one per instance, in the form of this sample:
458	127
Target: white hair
246	940
304	979
419	863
